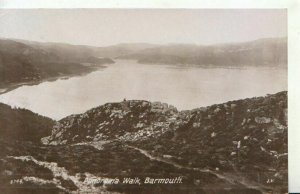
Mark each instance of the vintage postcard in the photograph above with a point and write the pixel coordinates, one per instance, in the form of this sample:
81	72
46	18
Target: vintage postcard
143	101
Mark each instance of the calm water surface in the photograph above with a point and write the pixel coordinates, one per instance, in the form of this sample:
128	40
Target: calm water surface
186	88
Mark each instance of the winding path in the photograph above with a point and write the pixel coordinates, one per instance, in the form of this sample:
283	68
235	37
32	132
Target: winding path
232	179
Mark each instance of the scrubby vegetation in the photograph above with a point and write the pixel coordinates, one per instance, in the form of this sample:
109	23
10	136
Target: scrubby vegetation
22	124
236	147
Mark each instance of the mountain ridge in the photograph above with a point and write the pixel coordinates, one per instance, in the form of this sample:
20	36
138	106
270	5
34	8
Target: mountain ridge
261	52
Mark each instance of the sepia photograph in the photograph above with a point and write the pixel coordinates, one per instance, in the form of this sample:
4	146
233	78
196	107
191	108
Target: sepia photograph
143	101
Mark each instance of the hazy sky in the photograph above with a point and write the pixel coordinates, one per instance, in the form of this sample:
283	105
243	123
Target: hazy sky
101	27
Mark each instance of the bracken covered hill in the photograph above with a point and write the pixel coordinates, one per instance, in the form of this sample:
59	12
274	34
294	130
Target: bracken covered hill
235	147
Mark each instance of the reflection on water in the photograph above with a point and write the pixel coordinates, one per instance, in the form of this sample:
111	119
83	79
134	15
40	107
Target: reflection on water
186	88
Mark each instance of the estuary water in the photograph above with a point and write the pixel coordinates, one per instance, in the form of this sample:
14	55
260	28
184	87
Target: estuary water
185	87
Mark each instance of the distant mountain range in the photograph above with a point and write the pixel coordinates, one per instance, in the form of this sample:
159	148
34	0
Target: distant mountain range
27	61
235	147
262	52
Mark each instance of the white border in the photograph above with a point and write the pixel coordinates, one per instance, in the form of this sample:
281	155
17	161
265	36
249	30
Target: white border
147	4
293	47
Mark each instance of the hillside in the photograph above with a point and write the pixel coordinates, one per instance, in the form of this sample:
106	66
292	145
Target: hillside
79	52
239	145
262	52
23	125
27	62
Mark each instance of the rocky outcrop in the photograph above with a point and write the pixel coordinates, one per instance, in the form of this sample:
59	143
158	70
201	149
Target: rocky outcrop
125	121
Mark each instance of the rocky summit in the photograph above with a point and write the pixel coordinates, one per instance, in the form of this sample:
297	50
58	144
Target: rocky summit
235	147
125	121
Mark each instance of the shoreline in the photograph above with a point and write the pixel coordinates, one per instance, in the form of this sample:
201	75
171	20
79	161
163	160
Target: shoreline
14	86
187	66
